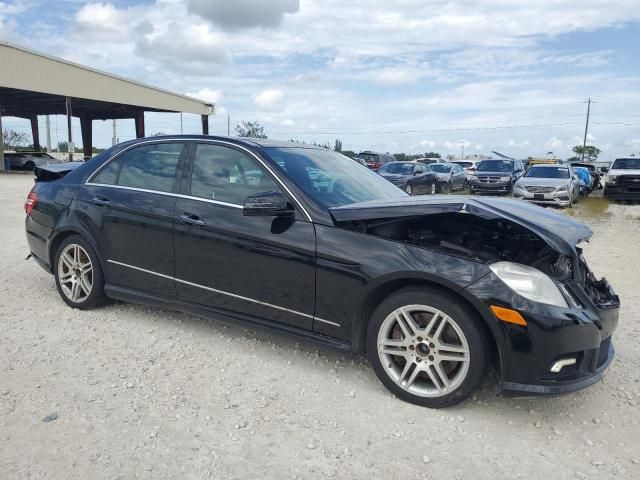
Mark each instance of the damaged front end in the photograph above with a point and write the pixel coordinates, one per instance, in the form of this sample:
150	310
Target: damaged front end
487	231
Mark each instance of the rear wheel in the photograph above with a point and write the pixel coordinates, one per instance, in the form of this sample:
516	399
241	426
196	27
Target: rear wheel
29	166
78	274
427	348
433	188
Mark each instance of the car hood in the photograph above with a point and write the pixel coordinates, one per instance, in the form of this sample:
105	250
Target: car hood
558	231
543	182
624	171
493	174
394	176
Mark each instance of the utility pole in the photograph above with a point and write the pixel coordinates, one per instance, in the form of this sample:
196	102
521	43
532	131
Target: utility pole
462	157
70	146
114	140
586	129
48	129
180	123
1	142
228	125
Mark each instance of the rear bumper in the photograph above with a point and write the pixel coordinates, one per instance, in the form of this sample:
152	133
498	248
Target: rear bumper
622	192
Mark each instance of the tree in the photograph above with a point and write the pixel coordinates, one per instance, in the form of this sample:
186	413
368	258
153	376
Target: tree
590	152
250	129
12	139
348	153
432	155
63	147
338	145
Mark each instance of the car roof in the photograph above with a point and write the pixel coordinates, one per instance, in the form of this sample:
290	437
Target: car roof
549	165
244	141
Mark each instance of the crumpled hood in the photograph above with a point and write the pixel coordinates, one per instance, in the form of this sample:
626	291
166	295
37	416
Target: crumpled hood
557	230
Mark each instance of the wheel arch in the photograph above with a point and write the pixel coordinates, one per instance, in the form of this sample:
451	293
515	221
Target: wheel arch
64	233
378	293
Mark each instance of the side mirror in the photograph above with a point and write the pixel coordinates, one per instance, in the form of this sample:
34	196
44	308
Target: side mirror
267	204
604	169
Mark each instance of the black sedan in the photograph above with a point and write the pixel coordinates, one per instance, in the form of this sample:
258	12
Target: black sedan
412	177
305	241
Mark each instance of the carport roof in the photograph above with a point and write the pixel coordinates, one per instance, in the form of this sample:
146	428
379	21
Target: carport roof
33	82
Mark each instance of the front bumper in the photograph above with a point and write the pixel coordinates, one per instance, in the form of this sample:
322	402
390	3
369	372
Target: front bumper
554	198
582	332
622	192
486	187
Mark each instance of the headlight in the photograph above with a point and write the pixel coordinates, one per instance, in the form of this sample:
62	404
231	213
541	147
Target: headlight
529	282
517	186
505	179
472	178
563	188
611	178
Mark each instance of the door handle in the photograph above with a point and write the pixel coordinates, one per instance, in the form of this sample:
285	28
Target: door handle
102	201
192	220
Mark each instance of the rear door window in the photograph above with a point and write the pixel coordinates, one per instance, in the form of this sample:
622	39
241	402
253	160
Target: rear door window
149	167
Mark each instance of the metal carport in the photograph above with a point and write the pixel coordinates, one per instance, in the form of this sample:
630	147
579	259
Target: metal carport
32	84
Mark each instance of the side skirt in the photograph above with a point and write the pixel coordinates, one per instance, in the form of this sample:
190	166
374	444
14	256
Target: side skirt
135	296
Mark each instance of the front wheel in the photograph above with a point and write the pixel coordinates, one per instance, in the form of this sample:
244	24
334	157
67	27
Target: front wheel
427	348
433	189
78	274
409	189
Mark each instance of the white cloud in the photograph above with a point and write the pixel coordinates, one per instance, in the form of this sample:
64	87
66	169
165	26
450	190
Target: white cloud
269	99
206	94
287	123
427	143
238	14
554	142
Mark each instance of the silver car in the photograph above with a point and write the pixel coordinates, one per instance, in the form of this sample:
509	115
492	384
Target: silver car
29	160
548	185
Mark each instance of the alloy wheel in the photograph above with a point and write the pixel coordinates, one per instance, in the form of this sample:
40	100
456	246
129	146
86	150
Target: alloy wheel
409	189
433	188
75	273
423	350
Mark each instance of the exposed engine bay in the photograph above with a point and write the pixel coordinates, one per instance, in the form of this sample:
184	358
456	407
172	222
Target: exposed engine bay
486	240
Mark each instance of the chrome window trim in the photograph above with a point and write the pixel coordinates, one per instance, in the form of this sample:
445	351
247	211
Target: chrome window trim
222	292
201	140
168	194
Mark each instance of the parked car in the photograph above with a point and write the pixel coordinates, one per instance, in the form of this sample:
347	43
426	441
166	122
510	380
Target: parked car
468	165
29	160
548	184
593	171
584	177
413	178
375	160
622	181
450	176
431	288
495	176
429	160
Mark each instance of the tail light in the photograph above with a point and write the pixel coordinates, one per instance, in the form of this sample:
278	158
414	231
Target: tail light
30	204
377	165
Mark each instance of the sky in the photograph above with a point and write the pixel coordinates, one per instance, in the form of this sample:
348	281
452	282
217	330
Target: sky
395	76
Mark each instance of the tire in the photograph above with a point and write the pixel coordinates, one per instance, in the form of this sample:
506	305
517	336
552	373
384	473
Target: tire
433	190
389	348
448	188
78	274
30	166
408	188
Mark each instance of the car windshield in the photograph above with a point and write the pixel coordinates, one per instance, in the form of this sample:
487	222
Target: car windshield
439	167
495	166
399	168
330	178
626	164
547	172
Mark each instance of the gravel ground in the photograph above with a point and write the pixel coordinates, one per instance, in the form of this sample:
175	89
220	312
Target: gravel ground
138	392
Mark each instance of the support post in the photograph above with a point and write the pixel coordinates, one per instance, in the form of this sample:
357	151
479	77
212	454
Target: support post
139	118
69	135
1	142
48	126
86	127
35	133
205	124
